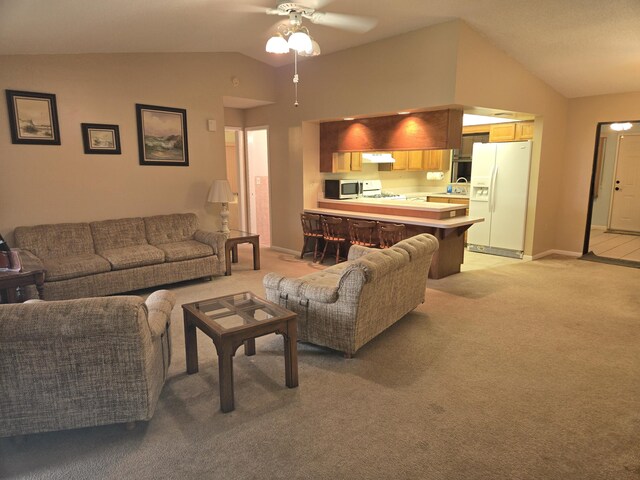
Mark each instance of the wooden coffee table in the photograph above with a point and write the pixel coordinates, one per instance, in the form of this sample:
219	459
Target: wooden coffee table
11	281
234	320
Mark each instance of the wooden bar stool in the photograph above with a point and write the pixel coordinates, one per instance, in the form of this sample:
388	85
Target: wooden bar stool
363	232
311	230
334	232
391	233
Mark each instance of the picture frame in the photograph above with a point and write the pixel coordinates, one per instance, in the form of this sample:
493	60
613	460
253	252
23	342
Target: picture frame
100	138
162	135
33	118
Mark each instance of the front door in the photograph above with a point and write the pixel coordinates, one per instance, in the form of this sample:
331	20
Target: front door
625	203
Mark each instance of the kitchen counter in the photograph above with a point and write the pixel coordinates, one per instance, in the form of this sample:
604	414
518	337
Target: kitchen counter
448	195
410	208
448	227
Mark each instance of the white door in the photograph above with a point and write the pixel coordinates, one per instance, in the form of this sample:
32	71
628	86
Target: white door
258	183
508	200
625	200
234	146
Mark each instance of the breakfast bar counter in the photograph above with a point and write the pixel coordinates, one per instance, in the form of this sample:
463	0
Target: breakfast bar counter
448	227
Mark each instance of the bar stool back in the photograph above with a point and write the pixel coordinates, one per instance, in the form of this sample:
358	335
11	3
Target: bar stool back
311	230
390	234
334	230
363	232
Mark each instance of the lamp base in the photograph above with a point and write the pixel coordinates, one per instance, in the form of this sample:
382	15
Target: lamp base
224	218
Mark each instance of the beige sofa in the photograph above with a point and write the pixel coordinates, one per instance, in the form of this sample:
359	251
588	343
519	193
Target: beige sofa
85	362
346	305
123	255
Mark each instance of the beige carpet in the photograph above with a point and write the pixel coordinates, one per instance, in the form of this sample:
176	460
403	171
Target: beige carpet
521	371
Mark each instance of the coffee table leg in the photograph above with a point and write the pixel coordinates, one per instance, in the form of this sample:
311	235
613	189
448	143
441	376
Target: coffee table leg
190	345
227	259
291	354
256	255
225	375
234	254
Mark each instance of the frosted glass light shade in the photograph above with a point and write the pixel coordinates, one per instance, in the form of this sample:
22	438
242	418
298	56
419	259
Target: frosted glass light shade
220	192
300	41
620	127
314	51
277	44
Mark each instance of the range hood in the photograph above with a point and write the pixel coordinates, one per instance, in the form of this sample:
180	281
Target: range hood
377	158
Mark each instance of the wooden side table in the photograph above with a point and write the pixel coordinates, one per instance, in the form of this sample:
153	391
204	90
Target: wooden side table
237	237
10	282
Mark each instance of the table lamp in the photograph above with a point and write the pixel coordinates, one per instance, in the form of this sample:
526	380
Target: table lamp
220	192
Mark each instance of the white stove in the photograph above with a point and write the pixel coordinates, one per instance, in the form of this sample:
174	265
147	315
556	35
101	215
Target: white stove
373	189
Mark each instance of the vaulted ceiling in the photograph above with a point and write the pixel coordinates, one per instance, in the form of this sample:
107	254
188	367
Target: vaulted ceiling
579	47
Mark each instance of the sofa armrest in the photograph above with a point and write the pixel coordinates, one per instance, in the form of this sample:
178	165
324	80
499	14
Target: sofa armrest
215	240
357	251
296	287
159	305
30	261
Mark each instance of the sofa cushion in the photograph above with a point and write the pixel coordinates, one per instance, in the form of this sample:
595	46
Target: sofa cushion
170	228
134	256
115	234
176	251
53	241
63	268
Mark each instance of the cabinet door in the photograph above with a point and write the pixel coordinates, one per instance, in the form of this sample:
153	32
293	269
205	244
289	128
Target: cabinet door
436	160
356	161
502	132
341	162
524	131
438	199
401	158
415	160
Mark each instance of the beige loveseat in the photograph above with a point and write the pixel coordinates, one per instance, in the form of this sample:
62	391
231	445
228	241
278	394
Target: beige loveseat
85	362
346	305
117	256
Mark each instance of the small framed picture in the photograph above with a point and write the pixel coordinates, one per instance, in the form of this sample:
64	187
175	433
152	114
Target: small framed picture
33	118
100	138
162	135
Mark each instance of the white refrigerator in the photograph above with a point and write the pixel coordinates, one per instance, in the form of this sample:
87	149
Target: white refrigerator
499	191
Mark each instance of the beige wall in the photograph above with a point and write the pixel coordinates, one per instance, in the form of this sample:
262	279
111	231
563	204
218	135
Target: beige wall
61	184
584	115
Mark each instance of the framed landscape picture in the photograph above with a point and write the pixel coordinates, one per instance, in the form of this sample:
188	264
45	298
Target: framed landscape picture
162	135
101	139
33	118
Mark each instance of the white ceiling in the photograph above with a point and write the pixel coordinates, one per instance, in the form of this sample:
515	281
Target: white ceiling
579	47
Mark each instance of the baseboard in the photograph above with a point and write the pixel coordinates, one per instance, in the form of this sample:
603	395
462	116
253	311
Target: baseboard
599	227
566	253
285	250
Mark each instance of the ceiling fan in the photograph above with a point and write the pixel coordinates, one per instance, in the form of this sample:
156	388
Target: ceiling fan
294	36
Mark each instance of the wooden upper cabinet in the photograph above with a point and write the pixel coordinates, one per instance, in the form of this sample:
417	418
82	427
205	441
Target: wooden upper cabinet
341	163
356	161
401	159
524	131
502	132
415	159
437	160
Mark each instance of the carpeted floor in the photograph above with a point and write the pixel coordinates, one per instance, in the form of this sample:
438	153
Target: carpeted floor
529	370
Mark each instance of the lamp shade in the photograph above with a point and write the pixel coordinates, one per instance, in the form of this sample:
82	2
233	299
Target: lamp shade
277	44
300	41
220	192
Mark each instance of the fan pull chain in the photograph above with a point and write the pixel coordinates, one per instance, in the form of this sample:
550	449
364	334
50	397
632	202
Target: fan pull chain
295	75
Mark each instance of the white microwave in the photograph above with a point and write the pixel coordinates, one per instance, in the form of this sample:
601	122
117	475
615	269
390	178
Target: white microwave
341	189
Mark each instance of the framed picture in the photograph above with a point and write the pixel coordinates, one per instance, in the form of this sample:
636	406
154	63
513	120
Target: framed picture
33	118
162	135
100	138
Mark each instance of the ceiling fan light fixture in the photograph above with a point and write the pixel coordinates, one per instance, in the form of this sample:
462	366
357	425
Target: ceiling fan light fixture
277	44
300	42
314	51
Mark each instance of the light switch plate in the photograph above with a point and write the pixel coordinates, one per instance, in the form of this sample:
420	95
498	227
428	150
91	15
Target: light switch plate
212	125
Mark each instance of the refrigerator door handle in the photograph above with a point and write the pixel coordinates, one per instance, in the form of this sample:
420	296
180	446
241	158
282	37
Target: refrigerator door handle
492	186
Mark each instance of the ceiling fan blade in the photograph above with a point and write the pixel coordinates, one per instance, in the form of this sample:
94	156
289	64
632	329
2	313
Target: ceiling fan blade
354	23
242	7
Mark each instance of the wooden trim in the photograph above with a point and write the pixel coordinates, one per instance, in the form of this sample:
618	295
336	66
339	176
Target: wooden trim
388	210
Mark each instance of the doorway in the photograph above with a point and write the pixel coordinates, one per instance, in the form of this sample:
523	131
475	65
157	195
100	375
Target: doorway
613	222
234	153
258	190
